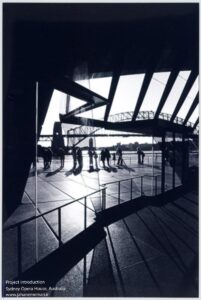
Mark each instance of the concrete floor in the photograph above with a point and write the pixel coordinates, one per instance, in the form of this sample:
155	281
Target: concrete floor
148	253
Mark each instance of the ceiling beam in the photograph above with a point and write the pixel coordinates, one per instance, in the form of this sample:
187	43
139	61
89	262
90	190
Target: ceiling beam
113	87
184	94
146	127
84	108
145	85
168	87
191	110
74	89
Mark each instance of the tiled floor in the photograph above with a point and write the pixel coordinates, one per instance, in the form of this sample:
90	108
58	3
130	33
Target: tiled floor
145	254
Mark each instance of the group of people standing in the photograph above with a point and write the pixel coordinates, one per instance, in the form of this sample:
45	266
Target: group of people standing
105	156
77	156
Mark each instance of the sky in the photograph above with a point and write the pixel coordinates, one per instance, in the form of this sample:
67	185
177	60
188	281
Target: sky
125	99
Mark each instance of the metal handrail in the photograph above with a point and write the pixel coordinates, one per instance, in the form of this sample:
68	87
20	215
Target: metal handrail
50	211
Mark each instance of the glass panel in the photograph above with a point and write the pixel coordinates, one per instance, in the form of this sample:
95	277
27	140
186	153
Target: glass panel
155	91
127	93
73	103
100	86
175	93
169	161
157	165
189	100
57	105
178	159
193	153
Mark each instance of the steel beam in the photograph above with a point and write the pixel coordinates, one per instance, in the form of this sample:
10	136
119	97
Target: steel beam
184	94
191	110
74	89
145	85
168	87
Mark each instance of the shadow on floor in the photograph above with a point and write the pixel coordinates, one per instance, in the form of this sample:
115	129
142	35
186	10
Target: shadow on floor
53	267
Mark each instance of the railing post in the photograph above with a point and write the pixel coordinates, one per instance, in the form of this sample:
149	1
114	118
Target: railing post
131	188
59	226
141	188
19	238
84	275
104	198
119	191
85	213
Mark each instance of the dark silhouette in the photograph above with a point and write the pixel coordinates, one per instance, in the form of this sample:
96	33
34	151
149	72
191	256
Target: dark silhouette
107	156
142	156
96	159
91	165
139	155
79	159
102	157
74	154
61	154
119	154
114	157
47	157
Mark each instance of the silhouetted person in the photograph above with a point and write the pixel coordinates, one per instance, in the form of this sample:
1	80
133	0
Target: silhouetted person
114	157
166	154
107	156
74	155
61	154
47	157
102	157
96	159
119	154
79	158
91	166
142	156
139	155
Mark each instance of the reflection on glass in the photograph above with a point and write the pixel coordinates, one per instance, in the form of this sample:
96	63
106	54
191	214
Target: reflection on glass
157	165
169	161
178	159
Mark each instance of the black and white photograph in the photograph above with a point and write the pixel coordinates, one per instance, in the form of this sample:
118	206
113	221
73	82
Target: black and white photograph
100	149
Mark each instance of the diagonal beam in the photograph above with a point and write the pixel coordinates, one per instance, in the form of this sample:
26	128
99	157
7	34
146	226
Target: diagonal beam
145	85
193	106
117	69
74	89
84	108
168	87
114	83
184	94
